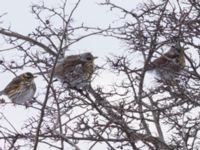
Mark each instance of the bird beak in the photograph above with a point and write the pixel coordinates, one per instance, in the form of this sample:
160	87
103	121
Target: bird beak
95	57
34	76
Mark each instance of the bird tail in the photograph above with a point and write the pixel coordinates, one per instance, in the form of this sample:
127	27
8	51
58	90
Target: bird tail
1	92
2	100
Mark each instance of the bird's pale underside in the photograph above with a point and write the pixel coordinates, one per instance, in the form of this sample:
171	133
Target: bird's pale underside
21	89
169	65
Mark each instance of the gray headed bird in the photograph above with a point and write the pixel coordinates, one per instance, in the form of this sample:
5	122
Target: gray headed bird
169	65
75	70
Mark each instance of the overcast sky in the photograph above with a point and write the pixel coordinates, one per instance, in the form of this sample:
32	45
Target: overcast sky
21	20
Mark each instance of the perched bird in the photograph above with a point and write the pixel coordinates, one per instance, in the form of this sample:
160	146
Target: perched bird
169	65
21	89
75	70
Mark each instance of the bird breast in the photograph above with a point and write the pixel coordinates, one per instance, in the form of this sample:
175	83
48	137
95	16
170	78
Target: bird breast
25	93
88	69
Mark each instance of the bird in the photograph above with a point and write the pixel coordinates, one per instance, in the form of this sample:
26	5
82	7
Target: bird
75	70
21	89
169	65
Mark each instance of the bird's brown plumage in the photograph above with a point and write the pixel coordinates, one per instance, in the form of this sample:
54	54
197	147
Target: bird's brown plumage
22	88
75	69
170	63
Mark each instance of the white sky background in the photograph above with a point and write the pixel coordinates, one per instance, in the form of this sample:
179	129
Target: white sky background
22	21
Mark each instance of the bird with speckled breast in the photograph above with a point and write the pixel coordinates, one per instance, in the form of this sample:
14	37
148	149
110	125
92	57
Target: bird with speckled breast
169	65
21	89
75	70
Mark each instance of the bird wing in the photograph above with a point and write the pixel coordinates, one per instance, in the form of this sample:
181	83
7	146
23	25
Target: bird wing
164	59
67	65
70	62
13	85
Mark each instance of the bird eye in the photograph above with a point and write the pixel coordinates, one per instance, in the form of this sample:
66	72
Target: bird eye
29	75
89	58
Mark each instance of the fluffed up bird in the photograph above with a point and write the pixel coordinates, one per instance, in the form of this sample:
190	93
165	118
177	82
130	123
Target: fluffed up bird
21	89
75	70
169	65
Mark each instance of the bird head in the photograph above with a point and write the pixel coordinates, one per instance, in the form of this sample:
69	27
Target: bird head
177	49
87	57
28	76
